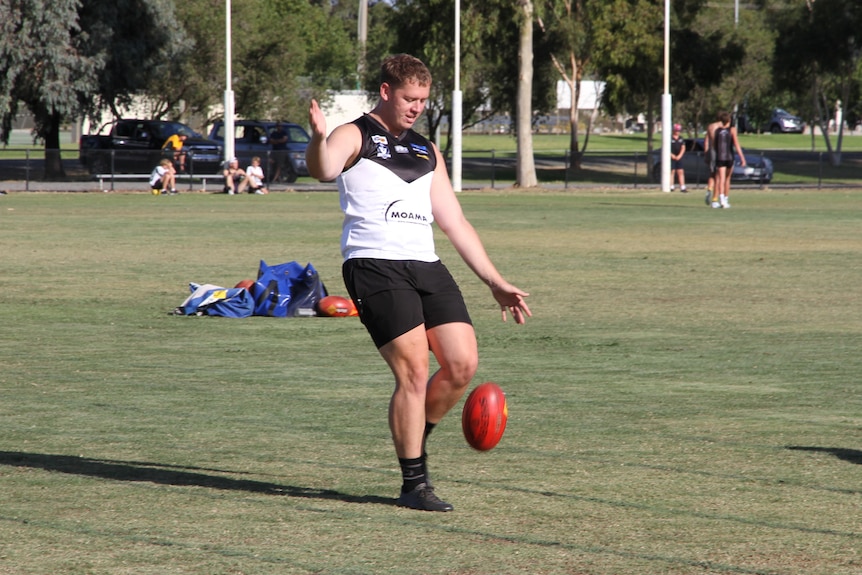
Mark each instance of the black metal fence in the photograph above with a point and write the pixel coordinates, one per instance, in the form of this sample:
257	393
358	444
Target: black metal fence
484	167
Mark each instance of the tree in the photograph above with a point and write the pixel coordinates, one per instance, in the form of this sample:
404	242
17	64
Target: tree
819	45
568	37
495	43
283	52
138	42
627	51
66	58
43	65
715	65
487	81
525	176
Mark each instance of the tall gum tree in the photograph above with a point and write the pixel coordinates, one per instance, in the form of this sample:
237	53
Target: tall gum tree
44	66
819	45
525	176
66	58
567	36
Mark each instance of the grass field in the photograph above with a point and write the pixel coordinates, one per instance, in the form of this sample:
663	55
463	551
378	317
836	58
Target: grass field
684	401
600	143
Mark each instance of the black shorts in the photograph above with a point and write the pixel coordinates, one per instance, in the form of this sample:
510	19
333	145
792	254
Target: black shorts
723	164
394	296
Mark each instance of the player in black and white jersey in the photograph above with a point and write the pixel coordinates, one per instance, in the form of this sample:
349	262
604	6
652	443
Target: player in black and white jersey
393	185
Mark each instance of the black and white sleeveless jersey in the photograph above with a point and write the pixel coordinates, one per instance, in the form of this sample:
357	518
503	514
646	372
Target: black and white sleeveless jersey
386	196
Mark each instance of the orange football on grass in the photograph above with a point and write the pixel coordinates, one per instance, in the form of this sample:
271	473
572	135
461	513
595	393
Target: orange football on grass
484	417
336	306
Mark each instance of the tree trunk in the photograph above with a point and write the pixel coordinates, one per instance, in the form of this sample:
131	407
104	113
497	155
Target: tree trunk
53	160
526	164
574	150
574	95
651	105
845	94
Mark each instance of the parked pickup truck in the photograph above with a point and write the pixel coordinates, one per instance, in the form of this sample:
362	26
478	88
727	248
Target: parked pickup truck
135	147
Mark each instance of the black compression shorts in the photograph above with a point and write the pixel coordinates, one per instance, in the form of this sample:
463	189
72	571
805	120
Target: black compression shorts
395	296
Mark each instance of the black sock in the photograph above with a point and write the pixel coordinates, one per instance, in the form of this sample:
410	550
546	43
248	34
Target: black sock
412	473
429	427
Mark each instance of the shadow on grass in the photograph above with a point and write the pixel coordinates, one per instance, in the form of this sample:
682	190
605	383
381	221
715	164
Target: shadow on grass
172	475
850	455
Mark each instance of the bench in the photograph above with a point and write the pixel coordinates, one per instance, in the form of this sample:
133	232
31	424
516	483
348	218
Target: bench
146	177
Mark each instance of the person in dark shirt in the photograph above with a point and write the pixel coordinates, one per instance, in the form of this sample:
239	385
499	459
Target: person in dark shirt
278	138
677	151
722	141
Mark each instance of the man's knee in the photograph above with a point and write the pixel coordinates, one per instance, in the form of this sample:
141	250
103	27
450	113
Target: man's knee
461	369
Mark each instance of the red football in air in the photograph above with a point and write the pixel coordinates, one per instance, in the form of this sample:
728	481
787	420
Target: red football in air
245	284
336	306
484	417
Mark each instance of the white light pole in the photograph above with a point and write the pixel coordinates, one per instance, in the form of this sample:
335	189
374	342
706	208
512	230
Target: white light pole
228	92
666	106
362	33
455	118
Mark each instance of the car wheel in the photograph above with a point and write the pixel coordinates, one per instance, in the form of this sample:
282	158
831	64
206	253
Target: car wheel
291	175
775	129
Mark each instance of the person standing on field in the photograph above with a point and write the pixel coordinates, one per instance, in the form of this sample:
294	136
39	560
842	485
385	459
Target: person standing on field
393	185
677	151
721	138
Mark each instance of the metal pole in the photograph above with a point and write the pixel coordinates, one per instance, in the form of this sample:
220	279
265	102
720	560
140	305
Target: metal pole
362	33
228	92
456	105
666	106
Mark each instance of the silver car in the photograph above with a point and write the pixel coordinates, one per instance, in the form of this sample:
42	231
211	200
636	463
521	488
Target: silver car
758	167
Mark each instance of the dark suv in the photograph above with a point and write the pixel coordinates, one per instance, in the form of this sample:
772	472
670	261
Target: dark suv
252	138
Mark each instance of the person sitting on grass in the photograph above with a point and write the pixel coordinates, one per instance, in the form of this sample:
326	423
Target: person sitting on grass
163	178
235	178
255	177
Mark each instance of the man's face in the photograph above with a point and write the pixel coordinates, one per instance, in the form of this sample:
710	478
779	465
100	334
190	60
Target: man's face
406	103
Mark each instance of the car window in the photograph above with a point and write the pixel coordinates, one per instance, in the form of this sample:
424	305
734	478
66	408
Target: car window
694	145
141	132
160	131
168	129
297	135
124	130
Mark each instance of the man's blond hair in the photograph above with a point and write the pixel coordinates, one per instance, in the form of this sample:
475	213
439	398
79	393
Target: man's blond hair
400	69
